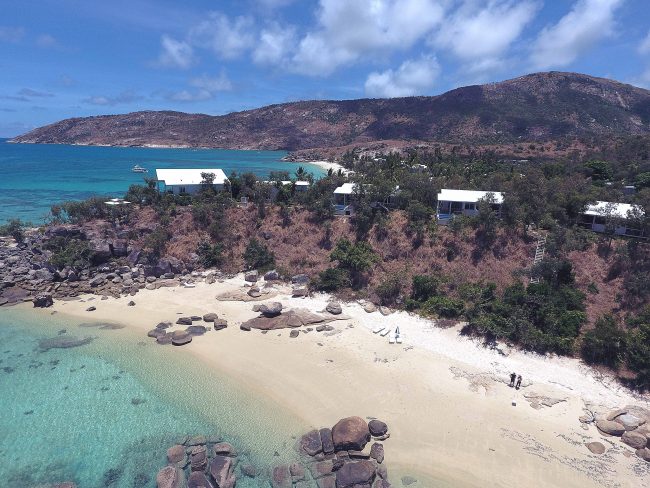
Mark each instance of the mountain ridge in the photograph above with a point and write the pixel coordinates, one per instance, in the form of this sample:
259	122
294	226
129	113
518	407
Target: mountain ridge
536	107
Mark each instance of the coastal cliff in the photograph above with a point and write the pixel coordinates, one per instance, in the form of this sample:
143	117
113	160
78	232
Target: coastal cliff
539	107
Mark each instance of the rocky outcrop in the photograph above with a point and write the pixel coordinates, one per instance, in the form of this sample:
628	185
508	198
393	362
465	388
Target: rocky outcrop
610	427
43	300
351	433
221	471
289	319
634	439
170	477
359	473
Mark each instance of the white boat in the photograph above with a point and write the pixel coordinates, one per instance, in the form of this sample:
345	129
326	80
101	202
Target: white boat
139	169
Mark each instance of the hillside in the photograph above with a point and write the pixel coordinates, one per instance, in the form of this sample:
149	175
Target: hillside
537	107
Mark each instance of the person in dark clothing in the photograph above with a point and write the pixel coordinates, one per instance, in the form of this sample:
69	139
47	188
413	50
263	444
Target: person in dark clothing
513	376
518	382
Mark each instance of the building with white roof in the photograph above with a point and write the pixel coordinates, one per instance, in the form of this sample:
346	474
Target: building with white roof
463	202
344	199
188	180
615	216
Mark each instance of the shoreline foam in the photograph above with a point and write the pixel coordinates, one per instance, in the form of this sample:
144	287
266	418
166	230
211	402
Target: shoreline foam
450	415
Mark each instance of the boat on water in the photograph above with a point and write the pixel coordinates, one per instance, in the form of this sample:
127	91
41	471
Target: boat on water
139	169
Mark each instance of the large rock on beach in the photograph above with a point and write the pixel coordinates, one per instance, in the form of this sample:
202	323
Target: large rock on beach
300	291
272	275
351	475
272	309
181	337
596	447
210	317
221	471
634	439
644	454
170	477
629	421
219	324
224	449
196	330
377	428
43	300
251	276
300	279
377	452
334	308
610	427
289	319
326	440
311	443
184	321
351	433
370	307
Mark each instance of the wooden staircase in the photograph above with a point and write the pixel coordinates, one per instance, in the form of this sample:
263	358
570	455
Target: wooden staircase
539	255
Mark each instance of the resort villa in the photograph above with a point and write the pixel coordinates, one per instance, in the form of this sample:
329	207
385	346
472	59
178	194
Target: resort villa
188	181
344	199
463	202
601	215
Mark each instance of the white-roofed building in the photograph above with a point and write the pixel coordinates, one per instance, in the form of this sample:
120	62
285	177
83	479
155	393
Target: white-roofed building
344	199
182	180
611	216
463	202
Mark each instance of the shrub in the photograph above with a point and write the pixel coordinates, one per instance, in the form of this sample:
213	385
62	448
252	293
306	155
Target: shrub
445	307
605	343
209	255
14	228
258	256
333	279
355	258
156	242
68	252
424	287
389	291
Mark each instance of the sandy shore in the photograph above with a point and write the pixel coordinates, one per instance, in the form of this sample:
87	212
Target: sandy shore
326	165
451	416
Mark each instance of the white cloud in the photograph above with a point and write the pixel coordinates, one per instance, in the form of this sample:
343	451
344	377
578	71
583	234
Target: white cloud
28	92
205	88
348	30
11	34
275	3
46	41
228	38
175	54
215	84
413	77
274	44
644	47
588	22
122	98
480	32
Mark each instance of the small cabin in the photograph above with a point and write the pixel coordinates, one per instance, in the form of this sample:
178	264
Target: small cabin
464	202
188	181
299	186
345	198
596	217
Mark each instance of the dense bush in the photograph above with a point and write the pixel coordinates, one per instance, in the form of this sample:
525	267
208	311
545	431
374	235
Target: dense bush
333	279
355	258
258	256
605	343
389	290
14	228
445	307
210	255
68	252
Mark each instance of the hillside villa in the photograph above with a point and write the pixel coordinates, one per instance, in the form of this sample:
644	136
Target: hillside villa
188	181
345	198
463	202
601	215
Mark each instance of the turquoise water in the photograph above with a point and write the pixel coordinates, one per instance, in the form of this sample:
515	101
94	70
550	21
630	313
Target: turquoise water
103	414
34	176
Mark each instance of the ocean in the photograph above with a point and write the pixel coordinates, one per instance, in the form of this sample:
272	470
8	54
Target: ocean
103	414
35	176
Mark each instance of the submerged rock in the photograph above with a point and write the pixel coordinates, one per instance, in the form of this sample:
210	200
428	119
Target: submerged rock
170	477
221	471
63	342
43	300
360	473
281	477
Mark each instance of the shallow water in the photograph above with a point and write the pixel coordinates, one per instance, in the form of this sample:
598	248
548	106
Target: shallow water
35	176
103	414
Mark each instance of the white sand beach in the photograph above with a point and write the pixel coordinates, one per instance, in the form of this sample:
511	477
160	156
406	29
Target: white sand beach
327	165
452	417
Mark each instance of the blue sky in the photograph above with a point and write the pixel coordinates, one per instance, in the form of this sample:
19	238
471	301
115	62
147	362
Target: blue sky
69	58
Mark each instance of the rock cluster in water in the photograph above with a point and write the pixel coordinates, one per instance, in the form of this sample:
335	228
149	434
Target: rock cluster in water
630	423
338	457
184	336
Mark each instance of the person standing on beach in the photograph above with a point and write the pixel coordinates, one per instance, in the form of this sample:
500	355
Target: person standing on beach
512	379
518	382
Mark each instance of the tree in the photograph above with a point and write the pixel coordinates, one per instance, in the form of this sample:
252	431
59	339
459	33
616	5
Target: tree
487	220
598	170
258	256
14	228
356	258
605	343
